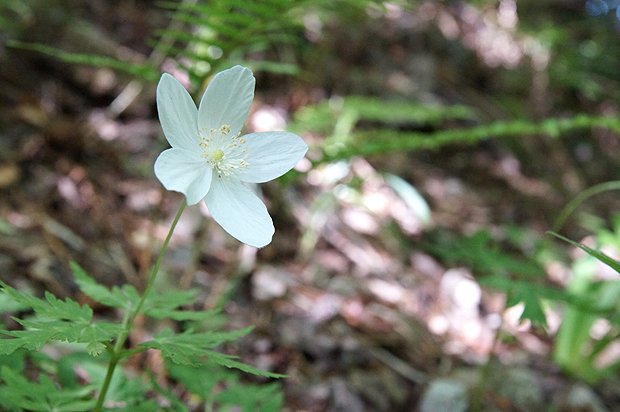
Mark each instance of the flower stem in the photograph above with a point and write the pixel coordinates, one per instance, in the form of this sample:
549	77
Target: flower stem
117	353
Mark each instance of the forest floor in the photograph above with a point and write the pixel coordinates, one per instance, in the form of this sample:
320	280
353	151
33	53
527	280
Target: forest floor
352	299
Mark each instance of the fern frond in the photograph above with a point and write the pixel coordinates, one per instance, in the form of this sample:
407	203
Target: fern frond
236	27
144	71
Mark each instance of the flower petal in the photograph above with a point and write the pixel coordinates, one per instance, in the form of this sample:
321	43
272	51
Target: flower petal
227	100
184	172
177	113
271	155
240	212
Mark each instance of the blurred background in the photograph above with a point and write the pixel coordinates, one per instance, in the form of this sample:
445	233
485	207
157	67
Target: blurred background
410	268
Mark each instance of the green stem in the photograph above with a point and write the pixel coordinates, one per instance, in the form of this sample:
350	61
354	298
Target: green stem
582	197
117	353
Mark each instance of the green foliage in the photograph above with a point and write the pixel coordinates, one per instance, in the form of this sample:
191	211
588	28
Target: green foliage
156	305
14	13
56	320
575	350
17	394
68	321
222	31
326	117
225	32
145	71
502	271
221	388
615	265
130	393
531	295
205	37
187	347
582	197
484	255
341	122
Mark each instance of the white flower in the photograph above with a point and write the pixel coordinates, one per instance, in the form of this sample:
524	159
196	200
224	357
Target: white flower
209	158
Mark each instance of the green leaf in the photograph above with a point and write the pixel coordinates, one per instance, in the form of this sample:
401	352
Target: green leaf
17	393
180	315
187	347
95	348
170	299
143	71
52	308
125	298
41	332
532	308
386	140
30	340
485	256
527	293
157	305
201	381
99	332
614	264
230	362
9	305
253	397
56	320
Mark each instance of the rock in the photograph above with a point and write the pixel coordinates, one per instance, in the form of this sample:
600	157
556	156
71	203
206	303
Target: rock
343	399
445	395
581	398
270	283
521	387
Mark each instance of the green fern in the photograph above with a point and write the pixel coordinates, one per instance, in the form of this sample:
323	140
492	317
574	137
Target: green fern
222	388
205	37
144	71
384	120
210	36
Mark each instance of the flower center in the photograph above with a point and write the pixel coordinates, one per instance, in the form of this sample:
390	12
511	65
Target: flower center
217	155
226	153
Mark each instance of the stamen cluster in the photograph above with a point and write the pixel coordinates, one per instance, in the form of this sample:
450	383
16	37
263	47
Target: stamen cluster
227	154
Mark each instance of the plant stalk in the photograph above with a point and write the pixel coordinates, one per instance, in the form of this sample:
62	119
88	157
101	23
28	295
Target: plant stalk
117	353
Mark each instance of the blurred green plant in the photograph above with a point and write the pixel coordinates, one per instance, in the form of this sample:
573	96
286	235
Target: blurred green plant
586	300
514	272
576	350
14	14
364	126
205	37
221	388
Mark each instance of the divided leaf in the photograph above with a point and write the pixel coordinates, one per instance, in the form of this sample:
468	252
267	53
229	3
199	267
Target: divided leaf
144	71
55	320
157	305
528	293
231	391
229	362
125	298
52	307
188	347
17	394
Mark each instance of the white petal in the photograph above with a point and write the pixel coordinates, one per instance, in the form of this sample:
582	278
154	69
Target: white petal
177	113
240	212
184	172
271	155
227	100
